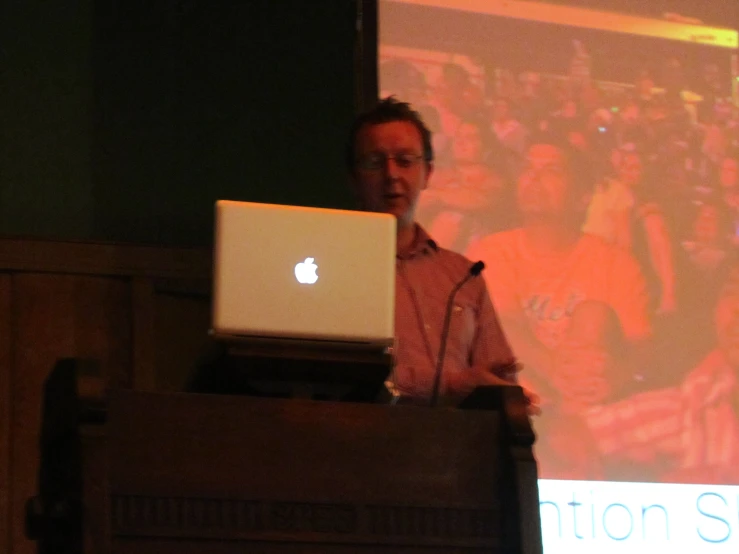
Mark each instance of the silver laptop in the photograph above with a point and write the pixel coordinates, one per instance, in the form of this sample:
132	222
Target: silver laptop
307	274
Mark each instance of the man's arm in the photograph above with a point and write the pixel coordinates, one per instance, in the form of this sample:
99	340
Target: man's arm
660	250
492	361
640	427
629	298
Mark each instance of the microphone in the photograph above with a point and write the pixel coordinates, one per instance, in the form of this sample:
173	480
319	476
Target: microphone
474	271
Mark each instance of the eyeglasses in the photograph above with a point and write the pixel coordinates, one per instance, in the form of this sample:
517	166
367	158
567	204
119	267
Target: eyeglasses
379	161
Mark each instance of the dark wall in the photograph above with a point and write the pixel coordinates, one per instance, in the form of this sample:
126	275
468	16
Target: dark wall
126	119
45	118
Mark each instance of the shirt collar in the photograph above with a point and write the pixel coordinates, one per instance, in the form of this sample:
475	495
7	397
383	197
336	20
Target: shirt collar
422	244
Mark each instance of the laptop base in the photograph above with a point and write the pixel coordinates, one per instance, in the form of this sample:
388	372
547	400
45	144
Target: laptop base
287	368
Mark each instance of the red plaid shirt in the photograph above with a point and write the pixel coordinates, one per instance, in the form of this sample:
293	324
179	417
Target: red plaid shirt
692	428
425	277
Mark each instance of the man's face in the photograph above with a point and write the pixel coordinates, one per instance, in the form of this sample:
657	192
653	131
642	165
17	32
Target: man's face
543	187
467	145
500	110
630	169
630	114
706	225
390	170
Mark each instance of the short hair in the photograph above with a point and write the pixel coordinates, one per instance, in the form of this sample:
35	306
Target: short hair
579	167
388	110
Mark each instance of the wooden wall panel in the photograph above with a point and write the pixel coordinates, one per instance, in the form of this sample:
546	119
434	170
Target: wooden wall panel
104	259
142	311
5	410
181	331
103	326
58	316
144	340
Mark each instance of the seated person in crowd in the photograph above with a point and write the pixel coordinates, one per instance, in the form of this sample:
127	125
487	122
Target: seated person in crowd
540	273
687	433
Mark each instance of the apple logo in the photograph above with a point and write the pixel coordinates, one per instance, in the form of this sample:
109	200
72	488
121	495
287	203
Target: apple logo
305	272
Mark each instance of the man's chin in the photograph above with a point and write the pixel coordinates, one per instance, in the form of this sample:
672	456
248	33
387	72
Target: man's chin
404	219
399	210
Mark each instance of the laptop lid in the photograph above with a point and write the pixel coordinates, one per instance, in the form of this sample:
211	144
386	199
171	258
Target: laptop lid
290	272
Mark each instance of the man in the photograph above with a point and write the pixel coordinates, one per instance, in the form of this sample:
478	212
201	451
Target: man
624	212
390	159
540	273
687	433
452	209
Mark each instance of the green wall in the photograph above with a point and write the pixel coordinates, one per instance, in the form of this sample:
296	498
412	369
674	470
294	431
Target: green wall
125	120
46	119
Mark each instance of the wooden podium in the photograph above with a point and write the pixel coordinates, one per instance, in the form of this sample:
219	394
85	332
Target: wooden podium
197	473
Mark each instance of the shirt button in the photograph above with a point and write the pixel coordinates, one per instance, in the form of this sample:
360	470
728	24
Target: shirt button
426	326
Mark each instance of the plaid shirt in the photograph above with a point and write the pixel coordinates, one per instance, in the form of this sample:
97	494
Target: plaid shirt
425	277
691	430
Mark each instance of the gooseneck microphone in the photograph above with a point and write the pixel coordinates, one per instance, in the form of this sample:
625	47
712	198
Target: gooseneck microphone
474	271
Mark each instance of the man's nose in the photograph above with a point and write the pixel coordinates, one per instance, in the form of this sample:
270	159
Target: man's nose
391	168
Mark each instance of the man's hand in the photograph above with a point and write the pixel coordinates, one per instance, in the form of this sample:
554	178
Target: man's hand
462	383
533	402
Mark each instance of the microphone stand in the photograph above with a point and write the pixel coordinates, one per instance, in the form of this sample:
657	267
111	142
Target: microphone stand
474	271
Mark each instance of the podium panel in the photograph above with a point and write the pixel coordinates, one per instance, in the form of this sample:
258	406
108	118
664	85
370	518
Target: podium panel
190	473
301	476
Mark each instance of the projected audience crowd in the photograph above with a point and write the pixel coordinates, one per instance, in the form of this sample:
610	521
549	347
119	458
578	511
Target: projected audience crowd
608	217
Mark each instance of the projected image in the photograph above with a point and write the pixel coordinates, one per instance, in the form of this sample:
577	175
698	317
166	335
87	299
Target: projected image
596	172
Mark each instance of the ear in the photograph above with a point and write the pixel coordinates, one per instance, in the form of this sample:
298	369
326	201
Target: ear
429	173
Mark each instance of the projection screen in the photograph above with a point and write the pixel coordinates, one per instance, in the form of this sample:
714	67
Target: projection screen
590	158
